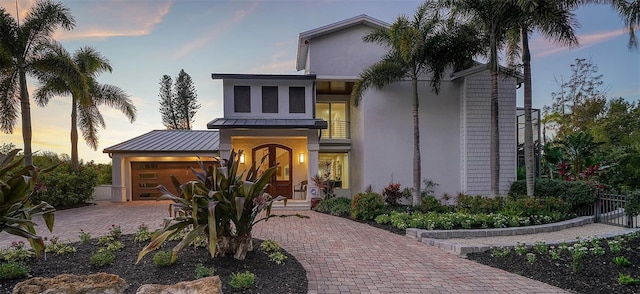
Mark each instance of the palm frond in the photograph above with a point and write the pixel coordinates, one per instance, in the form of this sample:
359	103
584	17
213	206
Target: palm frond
9	102
117	98
89	119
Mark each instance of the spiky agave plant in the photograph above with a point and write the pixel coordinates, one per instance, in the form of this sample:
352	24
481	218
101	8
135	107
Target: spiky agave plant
220	204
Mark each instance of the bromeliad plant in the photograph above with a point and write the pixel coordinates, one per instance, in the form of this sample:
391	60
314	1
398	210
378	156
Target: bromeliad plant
16	210
223	204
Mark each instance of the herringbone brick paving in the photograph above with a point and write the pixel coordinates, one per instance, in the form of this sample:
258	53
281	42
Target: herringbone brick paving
340	256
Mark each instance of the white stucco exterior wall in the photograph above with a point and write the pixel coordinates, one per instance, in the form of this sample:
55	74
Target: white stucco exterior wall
343	53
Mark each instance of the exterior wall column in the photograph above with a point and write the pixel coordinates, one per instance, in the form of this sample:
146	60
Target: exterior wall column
224	145
118	191
312	168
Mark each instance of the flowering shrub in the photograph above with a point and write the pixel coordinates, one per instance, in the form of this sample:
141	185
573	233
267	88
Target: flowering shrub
392	193
456	220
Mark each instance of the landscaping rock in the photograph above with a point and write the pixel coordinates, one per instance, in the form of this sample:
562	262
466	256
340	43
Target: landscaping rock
209	285
101	283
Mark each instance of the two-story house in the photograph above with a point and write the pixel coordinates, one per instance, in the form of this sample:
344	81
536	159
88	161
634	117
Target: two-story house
307	125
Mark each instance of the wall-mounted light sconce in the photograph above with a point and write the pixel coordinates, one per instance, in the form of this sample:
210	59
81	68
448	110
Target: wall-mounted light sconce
301	158
242	158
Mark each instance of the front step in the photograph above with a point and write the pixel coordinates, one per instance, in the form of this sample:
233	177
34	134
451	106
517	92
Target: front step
292	205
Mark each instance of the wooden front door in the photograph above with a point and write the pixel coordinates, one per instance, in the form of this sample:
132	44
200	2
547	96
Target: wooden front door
279	156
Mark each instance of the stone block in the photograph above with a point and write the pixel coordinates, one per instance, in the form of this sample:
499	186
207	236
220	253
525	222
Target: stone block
209	285
101	283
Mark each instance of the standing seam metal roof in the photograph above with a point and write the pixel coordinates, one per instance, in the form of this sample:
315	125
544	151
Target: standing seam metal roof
170	141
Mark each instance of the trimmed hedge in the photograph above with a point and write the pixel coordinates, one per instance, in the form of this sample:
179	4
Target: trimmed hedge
64	187
366	206
578	194
338	206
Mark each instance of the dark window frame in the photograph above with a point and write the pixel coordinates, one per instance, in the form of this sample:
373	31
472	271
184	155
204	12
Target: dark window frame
242	99
297	104
269	102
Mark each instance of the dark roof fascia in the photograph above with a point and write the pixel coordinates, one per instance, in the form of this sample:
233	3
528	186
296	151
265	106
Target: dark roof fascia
159	151
318	125
217	76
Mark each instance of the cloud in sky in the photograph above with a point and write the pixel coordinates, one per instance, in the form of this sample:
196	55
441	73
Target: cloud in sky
116	19
216	32
542	47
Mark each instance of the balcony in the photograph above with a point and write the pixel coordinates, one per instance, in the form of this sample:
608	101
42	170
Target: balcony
338	129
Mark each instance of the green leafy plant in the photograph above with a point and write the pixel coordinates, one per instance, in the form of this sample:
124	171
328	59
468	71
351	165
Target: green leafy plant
338	206
16	209
621	261
578	251
203	271
366	206
383	219
500	251
521	248
555	253
540	247
627	280
85	237
102	258
162	258
16	252
68	187
269	246
531	258
277	257
115	232
431	203
13	270
242	280
142	234
223	203
615	246
58	247
632	206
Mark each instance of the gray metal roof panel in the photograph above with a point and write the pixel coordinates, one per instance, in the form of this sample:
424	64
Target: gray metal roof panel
169	141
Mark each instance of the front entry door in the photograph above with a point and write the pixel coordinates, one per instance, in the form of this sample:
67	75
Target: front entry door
279	156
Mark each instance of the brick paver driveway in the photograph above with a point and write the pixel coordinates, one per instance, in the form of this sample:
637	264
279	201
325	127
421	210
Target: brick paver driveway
340	256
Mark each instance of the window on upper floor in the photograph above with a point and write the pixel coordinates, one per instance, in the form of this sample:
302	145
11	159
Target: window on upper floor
335	113
296	100
241	99
269	99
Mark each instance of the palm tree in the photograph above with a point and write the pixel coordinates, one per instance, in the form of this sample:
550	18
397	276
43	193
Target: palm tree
494	17
555	21
422	45
19	45
86	65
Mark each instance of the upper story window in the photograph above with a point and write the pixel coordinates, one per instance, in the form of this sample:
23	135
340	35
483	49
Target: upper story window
241	99
269	99
335	113
296	100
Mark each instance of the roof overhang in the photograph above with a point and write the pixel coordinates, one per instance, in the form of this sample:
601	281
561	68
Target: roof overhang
228	76
305	37
479	67
254	123
169	141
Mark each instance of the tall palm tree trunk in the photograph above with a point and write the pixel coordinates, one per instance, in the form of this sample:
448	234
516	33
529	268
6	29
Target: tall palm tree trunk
416	145
74	134
528	128
25	108
494	158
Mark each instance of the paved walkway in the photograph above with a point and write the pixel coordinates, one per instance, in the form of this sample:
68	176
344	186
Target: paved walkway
340	256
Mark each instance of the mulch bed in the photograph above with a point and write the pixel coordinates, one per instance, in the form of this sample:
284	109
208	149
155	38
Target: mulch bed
271	278
599	273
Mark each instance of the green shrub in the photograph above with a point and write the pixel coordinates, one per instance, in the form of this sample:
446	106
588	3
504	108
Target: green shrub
338	206
627	280
17	252
203	271
85	237
366	206
277	257
65	187
479	204
162	258
531	206
430	203
13	270
577	194
632	207
269	246
142	234
621	261
242	280
58	247
102	258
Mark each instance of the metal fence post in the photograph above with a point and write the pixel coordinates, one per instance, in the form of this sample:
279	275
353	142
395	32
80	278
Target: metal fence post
596	207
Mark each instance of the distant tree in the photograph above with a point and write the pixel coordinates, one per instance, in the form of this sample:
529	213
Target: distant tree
5	148
166	103
578	102
19	44
178	106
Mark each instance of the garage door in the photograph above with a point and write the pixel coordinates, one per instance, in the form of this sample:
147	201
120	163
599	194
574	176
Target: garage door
146	176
